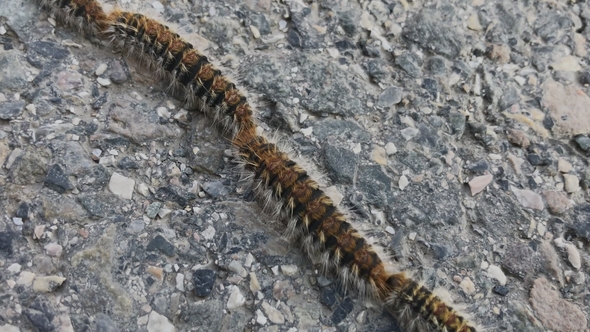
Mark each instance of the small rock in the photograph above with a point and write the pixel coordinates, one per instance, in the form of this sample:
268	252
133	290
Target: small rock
53	249
10	110
409	133
573	255
121	186
564	166
57	179
203	280
209	233
274	315
389	97
557	201
152	210
403	182
14	268
47	284
159	323
378	155
254	284
572	183
555	313
583	142
567	63
479	183
467	286
289	270
500	290
495	272
236	299
518	137
180	282
25	278
237	268
519	260
500	53
473	22
528	199
391	149
260	318
215	189
160	244
101	69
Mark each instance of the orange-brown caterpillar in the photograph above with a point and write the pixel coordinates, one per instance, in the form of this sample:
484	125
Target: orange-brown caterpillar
312	217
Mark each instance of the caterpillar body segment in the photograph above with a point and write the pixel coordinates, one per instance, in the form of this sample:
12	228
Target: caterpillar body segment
283	186
84	15
189	72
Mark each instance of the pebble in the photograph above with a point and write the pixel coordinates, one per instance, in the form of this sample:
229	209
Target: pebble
567	63
47	284
236	299
14	268
500	53
583	142
379	155
11	110
389	97
467	286
409	133
403	182
289	270
528	199
103	81
121	186
554	312
473	22
25	278
255	32
572	183
152	210
557	201
564	166
159	243
254	284
495	272
159	323
390	149
567	107
203	281
53	249
180	282
208	233
573	255
518	137
274	315
158	6
237	268
101	69
260	318
479	183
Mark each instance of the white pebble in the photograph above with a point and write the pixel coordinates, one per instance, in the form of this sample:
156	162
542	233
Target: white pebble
403	182
236	299
103	81
495	272
121	186
101	69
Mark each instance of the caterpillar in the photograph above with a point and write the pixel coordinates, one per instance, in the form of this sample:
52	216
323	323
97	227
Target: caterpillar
311	216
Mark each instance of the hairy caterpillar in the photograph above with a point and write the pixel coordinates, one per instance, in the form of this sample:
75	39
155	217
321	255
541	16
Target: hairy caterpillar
312	217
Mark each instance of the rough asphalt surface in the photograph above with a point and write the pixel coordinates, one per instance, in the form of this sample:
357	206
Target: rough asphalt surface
455	133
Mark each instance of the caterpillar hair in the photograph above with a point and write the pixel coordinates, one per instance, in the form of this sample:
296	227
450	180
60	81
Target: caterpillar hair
85	15
311	216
